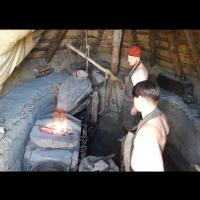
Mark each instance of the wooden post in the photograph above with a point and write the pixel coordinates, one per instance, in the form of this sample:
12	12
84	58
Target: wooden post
193	47
117	37
54	45
98	40
173	47
152	40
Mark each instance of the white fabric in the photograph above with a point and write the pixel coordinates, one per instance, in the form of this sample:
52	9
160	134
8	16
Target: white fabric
14	47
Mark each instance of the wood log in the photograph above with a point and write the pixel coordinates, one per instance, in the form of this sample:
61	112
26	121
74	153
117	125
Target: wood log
193	47
106	71
54	45
117	38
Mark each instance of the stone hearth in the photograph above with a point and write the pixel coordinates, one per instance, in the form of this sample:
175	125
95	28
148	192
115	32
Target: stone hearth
44	150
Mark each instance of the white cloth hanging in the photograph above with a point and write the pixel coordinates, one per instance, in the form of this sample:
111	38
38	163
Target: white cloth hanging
14	47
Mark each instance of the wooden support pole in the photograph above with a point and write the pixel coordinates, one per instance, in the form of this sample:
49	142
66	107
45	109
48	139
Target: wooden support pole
54	45
106	71
117	38
173	46
152	40
98	40
193	47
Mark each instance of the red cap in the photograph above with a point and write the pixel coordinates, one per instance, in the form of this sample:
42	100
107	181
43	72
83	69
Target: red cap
134	51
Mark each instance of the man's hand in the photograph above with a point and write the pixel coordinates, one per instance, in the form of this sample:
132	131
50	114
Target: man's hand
133	111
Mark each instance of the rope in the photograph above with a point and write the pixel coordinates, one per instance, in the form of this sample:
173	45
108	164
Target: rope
87	50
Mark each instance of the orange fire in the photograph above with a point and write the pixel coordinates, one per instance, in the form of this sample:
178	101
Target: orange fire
58	126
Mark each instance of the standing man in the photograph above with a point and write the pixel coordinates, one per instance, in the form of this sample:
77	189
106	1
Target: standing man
138	72
143	150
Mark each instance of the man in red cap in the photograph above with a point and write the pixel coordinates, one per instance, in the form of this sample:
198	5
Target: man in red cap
139	72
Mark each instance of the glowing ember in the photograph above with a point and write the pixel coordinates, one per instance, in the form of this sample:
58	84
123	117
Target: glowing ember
58	126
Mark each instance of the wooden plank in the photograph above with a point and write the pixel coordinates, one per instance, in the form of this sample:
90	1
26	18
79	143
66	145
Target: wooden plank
193	47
